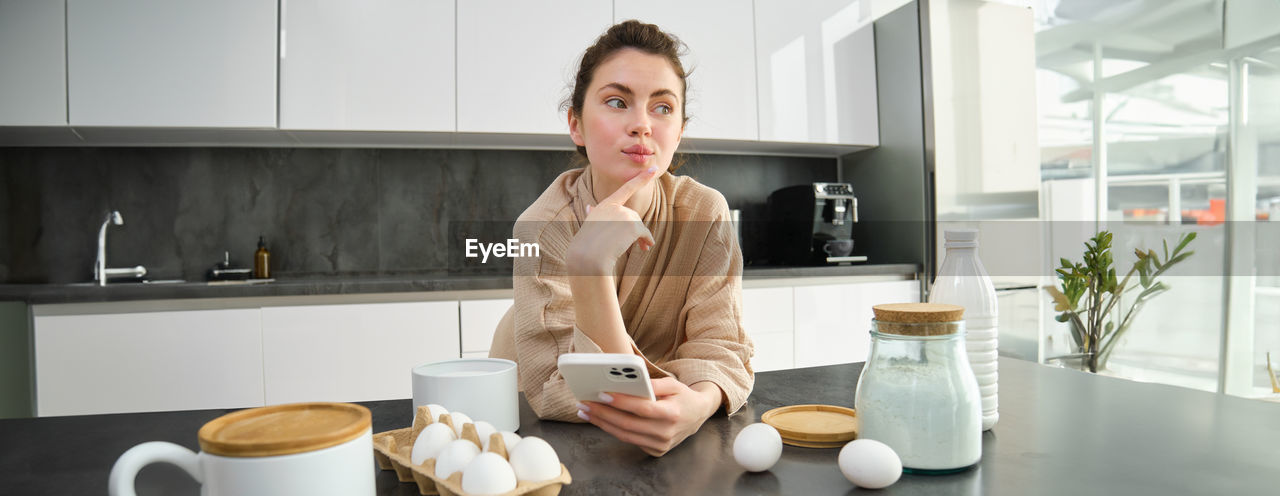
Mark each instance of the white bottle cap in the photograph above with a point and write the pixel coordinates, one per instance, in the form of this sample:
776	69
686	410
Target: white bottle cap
961	235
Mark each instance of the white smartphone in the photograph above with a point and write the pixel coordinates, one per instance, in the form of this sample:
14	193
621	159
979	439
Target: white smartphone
590	374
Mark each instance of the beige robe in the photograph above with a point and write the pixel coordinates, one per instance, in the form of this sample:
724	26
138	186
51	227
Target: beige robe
681	301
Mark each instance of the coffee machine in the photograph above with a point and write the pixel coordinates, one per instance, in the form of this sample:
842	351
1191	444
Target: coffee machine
812	224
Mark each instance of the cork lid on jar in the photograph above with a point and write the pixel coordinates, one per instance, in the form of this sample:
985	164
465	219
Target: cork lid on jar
918	319
284	429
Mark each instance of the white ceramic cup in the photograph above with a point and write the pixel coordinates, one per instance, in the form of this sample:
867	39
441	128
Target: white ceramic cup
483	388
345	469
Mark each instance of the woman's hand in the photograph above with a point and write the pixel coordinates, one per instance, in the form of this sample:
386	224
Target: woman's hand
655	426
609	231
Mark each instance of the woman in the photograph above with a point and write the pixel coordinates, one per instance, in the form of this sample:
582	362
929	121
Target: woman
632	259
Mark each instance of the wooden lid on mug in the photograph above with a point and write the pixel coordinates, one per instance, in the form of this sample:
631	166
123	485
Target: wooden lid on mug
918	319
284	429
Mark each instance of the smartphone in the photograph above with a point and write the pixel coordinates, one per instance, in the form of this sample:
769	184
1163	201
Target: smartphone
590	374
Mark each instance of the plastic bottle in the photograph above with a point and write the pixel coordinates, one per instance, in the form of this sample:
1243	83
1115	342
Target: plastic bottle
262	260
963	281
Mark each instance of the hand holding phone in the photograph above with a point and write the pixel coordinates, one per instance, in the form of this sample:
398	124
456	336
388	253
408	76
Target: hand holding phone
589	374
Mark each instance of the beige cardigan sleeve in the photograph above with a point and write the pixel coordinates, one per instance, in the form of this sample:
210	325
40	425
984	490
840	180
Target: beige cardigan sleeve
544	320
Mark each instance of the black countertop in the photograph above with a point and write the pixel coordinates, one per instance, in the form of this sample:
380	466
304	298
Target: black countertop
1060	432
369	284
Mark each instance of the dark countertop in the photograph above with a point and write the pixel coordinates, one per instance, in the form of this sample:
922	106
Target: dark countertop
87	292
1060	432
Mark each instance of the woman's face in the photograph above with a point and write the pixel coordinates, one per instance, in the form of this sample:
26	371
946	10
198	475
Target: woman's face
632	116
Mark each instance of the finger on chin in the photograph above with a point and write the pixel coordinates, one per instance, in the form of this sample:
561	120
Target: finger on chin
632	186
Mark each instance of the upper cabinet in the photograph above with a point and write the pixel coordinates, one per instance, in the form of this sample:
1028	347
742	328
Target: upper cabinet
721	61
367	66
765	76
33	58
516	62
171	63
815	70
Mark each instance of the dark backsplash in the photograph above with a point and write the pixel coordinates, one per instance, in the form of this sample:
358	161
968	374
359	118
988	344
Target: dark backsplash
323	211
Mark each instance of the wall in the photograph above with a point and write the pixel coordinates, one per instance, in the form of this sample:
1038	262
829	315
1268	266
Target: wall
324	212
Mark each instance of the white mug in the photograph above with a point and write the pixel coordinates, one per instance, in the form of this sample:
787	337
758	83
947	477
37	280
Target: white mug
483	388
342	469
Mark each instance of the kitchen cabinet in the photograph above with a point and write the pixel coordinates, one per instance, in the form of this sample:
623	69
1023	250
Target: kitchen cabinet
33	55
766	77
171	63
722	85
479	319
767	315
816	72
832	321
358	352
983	61
516	62
147	361
367	66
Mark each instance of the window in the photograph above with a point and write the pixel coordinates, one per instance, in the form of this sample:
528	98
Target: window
1174	109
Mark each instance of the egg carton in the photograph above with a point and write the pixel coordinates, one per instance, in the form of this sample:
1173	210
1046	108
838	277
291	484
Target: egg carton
393	449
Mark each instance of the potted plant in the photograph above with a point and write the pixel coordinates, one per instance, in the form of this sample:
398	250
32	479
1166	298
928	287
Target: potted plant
1090	292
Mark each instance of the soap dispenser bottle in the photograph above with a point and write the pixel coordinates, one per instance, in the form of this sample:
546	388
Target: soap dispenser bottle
262	260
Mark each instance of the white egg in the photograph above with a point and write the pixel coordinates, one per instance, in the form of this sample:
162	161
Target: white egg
459	419
436	411
484	429
509	439
757	447
534	460
488	474
430	441
870	464
455	455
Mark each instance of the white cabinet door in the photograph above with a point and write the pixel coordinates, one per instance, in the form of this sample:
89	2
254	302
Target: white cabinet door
479	319
720	36
359	352
832	322
172	63
816	72
33	58
367	66
150	361
773	352
516	62
767	316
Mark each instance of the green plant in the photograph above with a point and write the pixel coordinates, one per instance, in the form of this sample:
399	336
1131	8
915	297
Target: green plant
1090	291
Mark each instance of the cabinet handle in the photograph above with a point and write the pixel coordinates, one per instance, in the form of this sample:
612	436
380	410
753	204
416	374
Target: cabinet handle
284	33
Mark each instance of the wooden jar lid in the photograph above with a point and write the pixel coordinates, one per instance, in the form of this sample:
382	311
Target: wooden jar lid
918	319
284	429
813	426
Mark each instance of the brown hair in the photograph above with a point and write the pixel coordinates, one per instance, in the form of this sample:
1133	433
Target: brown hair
647	38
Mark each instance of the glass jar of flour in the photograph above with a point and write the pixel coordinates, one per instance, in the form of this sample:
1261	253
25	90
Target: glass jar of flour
917	393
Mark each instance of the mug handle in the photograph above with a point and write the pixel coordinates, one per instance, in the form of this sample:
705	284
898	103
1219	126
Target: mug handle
127	466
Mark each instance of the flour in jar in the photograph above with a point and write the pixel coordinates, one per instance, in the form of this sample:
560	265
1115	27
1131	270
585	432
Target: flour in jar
924	412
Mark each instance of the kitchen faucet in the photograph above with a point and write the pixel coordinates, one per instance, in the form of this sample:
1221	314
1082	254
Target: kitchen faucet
100	270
